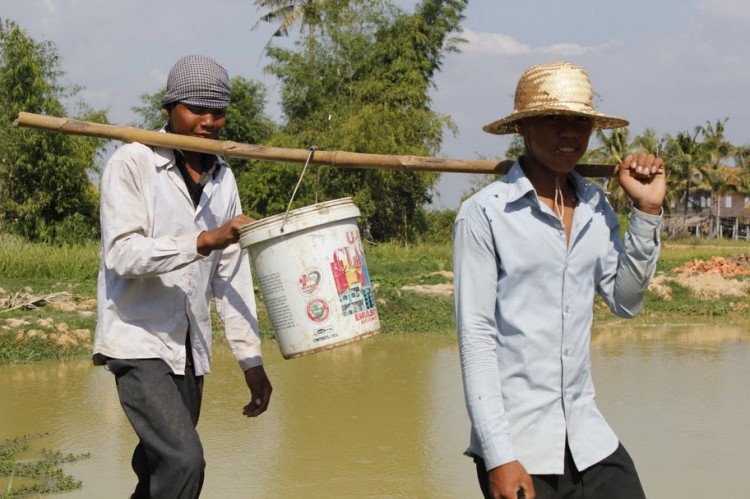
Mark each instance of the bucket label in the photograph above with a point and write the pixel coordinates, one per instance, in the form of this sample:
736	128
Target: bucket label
324	333
317	310
276	301
310	280
352	280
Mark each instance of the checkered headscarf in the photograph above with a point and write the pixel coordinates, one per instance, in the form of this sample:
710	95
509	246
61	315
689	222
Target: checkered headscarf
197	80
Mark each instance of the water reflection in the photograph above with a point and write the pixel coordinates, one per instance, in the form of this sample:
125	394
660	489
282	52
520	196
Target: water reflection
677	397
385	417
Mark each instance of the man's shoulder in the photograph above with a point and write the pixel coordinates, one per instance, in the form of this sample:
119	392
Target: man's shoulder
134	150
495	192
492	196
137	156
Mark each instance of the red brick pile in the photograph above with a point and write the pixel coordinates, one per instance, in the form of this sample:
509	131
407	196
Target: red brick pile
737	265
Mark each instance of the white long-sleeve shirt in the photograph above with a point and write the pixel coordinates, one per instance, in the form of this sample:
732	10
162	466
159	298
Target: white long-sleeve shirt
153	285
524	309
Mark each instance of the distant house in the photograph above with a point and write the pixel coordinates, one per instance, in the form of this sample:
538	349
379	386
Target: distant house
730	210
730	205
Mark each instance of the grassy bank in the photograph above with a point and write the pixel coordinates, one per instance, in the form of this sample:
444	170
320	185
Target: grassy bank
63	280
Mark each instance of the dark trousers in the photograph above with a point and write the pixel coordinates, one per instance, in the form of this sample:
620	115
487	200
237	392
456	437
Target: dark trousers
163	409
615	477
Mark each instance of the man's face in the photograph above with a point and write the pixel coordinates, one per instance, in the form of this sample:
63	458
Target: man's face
557	142
197	121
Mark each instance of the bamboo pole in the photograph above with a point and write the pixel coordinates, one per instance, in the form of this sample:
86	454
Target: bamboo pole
340	159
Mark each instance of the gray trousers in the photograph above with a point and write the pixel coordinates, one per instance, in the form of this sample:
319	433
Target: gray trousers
163	409
614	477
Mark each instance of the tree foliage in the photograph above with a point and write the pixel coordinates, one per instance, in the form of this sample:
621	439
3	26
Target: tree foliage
362	83
45	189
683	160
288	13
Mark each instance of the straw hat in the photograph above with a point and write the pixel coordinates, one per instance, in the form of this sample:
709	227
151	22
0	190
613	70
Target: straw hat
554	88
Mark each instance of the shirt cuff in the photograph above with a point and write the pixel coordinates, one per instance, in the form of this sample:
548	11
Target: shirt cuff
498	451
645	225
188	245
251	362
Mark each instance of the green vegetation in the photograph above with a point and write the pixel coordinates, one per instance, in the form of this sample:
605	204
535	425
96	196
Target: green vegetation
684	303
64	328
29	262
46	193
358	78
374	66
365	96
22	477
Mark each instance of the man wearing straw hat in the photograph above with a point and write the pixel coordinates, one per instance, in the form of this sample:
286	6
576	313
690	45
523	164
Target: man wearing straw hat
530	251
170	226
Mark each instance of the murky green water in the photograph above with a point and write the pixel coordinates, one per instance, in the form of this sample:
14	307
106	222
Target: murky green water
385	418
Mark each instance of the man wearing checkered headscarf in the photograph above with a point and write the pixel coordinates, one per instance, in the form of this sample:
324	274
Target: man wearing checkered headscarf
170	227
197	80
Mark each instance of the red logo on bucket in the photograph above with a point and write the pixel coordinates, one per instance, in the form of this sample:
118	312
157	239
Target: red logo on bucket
367	314
309	282
317	310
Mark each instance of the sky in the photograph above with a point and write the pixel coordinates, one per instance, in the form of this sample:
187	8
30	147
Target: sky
670	65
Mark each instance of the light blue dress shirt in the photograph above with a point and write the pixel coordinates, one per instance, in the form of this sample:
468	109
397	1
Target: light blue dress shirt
524	309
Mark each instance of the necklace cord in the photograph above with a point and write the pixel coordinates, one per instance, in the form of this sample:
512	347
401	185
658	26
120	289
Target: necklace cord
559	203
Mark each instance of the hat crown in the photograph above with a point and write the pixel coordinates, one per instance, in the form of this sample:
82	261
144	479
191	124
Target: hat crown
555	86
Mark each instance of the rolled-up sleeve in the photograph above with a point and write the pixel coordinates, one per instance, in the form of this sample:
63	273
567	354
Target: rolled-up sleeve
632	264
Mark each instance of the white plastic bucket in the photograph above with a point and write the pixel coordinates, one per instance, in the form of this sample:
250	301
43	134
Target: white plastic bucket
313	277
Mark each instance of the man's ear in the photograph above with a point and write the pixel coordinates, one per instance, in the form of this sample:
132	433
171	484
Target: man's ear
518	127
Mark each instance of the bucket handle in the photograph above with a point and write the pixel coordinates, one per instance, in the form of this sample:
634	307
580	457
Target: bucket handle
294	193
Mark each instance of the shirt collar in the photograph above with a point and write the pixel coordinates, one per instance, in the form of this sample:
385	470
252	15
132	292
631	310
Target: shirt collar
520	186
165	158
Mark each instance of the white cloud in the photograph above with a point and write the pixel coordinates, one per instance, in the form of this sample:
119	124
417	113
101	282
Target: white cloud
492	43
500	44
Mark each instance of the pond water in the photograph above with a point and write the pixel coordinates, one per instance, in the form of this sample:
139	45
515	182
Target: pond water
384	417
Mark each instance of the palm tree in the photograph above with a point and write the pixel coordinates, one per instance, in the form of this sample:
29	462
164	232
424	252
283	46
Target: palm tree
742	157
683	157
715	145
289	13
614	148
719	178
648	142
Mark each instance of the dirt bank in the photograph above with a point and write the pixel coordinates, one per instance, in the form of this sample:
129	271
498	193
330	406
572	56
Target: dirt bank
708	279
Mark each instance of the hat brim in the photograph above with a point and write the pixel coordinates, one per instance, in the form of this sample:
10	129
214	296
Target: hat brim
507	125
